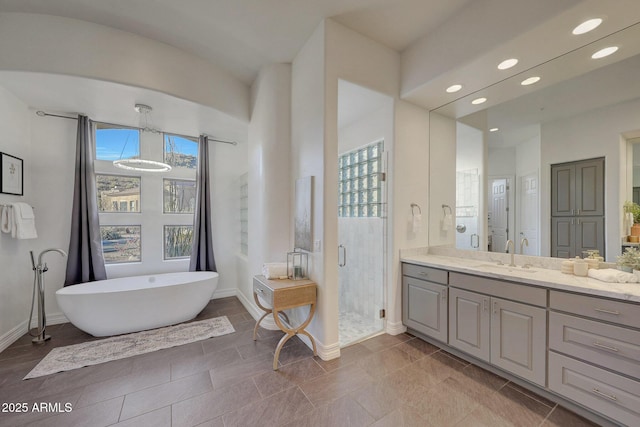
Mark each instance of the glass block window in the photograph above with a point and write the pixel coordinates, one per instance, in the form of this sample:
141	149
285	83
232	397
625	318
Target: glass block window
244	215
179	196
121	243
180	151
177	241
118	193
359	184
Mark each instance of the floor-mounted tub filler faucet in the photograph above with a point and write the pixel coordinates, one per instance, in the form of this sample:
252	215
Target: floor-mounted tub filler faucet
38	283
512	251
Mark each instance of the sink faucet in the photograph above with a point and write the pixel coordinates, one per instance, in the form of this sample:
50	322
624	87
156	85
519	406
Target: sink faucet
512	251
523	242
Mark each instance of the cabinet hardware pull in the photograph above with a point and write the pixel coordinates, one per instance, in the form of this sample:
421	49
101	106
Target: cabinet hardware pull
602	310
608	396
444	294
606	347
495	307
484	304
259	290
424	274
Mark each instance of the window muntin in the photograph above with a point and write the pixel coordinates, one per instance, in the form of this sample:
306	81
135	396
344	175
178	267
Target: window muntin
177	241
180	151
359	185
121	243
179	196
113	142
118	193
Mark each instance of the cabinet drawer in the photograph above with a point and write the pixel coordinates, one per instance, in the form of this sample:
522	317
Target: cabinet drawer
623	313
606	345
425	273
263	292
598	390
507	290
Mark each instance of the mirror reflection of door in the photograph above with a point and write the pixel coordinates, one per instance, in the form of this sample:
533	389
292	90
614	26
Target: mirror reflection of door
499	213
528	213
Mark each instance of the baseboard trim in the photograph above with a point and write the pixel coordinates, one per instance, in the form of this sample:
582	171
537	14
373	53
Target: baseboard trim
224	293
395	328
13	335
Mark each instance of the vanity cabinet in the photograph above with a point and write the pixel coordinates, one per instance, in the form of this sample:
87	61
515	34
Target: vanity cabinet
505	333
594	354
424	300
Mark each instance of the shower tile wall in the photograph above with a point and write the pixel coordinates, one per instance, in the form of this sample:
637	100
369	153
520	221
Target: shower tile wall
361	280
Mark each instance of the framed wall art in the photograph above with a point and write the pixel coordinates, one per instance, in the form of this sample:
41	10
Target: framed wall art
11	175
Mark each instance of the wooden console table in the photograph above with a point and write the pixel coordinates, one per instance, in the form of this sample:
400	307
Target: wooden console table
282	295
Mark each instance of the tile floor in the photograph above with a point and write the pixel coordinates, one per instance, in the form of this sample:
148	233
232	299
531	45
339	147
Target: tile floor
353	327
228	381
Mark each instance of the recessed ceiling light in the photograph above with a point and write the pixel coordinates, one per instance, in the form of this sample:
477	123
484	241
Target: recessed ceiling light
530	81
587	26
454	88
478	101
604	52
494	130
507	63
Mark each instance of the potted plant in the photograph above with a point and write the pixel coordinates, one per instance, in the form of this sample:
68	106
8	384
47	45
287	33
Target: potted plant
629	260
632	220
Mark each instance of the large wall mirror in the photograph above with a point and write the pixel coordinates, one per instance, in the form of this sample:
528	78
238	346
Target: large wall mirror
552	162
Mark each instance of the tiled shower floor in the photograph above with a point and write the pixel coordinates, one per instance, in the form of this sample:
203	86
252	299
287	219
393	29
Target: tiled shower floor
353	327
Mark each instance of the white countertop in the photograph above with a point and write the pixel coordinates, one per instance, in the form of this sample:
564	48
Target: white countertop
548	278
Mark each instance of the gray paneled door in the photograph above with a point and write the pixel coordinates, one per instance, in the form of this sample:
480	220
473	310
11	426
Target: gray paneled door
577	208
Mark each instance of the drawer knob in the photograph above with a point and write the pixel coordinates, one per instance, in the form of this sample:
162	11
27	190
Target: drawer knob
602	310
608	396
605	347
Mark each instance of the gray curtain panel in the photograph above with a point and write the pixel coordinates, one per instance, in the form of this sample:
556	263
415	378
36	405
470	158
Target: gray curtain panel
202	250
85	262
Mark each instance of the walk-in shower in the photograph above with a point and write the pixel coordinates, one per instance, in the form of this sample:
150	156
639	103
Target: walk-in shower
38	288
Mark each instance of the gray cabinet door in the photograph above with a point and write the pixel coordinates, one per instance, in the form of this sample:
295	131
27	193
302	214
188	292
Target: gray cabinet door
425	307
518	339
589	234
563	184
469	319
589	181
563	237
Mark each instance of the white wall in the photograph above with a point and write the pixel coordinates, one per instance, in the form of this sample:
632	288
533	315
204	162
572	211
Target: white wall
307	159
442	172
16	277
528	156
269	176
597	133
501	162
57	45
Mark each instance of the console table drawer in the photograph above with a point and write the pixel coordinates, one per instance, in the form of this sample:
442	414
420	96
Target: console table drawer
263	291
606	345
610	394
425	273
620	312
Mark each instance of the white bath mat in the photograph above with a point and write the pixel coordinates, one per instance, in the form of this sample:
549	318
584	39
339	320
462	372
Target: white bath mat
94	352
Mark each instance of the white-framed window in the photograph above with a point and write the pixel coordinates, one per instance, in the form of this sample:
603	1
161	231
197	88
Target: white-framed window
145	218
359	184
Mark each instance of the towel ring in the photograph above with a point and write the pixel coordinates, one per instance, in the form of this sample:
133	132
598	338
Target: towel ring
444	209
413	206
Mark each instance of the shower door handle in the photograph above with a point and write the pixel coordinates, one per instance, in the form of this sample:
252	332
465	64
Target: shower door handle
344	256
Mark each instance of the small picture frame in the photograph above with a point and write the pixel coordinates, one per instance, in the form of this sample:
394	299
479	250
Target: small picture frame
11	175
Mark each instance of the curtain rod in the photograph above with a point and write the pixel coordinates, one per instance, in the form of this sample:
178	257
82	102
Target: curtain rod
43	114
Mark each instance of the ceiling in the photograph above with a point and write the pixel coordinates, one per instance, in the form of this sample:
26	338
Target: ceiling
243	35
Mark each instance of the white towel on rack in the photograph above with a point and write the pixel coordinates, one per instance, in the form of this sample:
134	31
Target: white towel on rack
24	221
416	223
447	222
6	222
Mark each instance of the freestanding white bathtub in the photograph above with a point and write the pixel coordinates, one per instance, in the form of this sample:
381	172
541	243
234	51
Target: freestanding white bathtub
131	304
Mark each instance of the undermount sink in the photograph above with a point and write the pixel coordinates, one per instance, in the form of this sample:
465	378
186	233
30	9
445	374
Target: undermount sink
505	268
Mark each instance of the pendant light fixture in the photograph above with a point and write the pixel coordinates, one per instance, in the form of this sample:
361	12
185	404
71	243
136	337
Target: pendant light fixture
143	165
